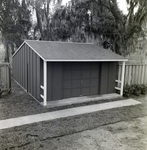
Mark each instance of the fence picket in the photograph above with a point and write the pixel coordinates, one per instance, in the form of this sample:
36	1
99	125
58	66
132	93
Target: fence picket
144	75
142	80
139	74
5	77
130	75
127	75
134	74
145	78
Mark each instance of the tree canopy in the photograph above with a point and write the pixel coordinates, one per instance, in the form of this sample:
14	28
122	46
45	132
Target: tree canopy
15	22
103	21
78	21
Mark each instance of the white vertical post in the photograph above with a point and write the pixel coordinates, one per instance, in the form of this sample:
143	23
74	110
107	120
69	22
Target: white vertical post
122	78
45	83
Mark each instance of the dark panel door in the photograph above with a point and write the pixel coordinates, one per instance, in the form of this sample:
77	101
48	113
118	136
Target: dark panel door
85	79
71	79
80	79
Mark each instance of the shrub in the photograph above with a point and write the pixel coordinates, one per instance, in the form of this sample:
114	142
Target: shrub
143	89
135	89
127	91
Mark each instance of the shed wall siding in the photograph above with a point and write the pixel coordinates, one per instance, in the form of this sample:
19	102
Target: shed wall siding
113	70
57	81
26	70
107	77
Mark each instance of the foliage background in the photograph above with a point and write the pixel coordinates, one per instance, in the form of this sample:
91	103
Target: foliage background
97	21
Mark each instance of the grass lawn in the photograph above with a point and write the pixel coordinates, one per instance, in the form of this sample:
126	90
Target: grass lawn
116	129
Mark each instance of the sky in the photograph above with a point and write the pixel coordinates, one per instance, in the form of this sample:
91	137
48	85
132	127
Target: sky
121	3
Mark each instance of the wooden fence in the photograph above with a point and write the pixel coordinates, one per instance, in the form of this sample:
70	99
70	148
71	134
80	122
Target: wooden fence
5	78
134	74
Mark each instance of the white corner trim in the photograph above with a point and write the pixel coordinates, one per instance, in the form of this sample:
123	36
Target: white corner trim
45	83
122	78
18	49
84	60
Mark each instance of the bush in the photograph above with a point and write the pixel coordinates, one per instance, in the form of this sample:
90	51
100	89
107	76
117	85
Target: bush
127	91
143	89
134	89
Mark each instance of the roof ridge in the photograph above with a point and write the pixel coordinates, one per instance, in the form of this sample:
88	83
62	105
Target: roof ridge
60	42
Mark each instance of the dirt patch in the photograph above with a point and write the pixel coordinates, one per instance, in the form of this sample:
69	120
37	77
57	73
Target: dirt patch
125	135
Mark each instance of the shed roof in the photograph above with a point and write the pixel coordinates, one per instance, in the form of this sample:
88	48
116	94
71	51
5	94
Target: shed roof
69	51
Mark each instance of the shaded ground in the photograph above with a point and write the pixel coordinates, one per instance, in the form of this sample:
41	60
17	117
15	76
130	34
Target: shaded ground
19	103
116	129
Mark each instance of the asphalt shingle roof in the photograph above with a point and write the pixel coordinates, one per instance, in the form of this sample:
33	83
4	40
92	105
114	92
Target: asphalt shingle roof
50	50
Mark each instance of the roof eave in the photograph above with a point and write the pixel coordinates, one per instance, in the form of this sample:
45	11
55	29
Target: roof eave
18	49
84	60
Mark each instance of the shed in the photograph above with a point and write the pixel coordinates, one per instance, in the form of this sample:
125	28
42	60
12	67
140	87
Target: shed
57	70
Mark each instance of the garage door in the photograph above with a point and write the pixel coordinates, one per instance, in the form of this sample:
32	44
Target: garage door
80	79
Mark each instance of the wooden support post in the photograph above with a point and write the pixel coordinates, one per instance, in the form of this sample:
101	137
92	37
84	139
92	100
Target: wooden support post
122	78
45	83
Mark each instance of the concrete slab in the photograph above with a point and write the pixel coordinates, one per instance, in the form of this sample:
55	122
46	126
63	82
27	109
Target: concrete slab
82	99
13	122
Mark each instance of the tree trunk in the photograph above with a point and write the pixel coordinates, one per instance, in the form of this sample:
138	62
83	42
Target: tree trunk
7	53
39	24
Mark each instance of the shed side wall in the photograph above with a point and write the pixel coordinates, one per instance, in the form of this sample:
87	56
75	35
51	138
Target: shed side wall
26	70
